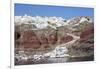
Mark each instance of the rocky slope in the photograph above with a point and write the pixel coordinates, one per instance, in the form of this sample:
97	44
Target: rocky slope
41	37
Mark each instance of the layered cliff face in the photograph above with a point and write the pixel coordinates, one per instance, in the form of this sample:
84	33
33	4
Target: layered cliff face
85	45
44	35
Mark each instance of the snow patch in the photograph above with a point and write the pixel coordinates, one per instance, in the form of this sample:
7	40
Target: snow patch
58	52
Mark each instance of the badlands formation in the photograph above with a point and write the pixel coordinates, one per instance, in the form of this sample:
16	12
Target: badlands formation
39	39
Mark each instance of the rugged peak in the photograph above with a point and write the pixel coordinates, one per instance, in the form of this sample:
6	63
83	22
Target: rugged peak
82	19
41	22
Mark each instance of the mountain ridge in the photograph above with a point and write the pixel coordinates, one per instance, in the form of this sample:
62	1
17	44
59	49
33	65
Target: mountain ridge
42	37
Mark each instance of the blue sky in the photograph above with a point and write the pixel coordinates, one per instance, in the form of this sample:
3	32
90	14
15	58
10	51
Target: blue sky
47	10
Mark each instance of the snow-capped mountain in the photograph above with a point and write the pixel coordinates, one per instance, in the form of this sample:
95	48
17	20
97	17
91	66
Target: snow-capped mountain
81	19
43	22
53	37
40	22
